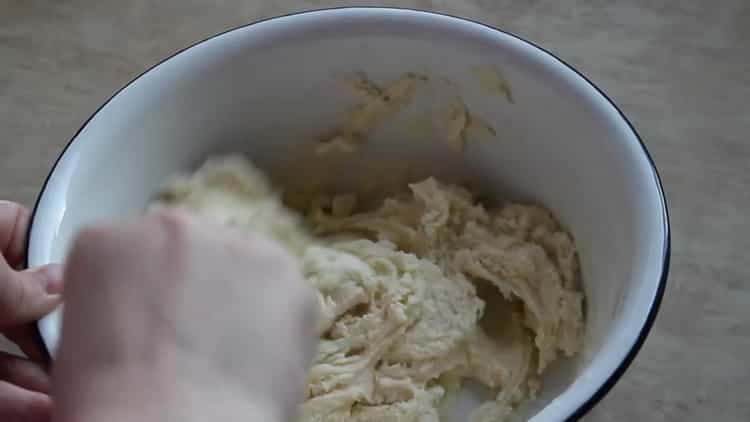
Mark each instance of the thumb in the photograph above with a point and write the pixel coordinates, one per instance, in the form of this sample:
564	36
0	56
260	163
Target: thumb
26	296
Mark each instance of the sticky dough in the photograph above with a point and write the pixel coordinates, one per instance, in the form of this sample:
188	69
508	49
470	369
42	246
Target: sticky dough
416	296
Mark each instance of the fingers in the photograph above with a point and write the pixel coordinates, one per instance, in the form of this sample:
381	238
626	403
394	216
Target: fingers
27	338
14	220
23	373
20	405
26	296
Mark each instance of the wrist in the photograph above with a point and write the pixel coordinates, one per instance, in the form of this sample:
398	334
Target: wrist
151	395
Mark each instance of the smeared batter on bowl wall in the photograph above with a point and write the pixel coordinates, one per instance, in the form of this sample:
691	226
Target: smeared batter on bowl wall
404	292
450	119
492	79
377	104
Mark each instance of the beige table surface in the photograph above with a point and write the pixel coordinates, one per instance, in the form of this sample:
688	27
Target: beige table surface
679	70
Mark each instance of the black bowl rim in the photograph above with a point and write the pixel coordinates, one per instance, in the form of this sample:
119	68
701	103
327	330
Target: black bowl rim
607	385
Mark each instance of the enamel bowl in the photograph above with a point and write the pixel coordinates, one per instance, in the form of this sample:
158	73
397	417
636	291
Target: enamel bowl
272	88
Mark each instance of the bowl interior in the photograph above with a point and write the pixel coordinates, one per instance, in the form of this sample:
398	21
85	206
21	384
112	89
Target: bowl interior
273	88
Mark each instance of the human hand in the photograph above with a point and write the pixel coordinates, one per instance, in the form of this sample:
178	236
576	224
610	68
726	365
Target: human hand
25	296
172	318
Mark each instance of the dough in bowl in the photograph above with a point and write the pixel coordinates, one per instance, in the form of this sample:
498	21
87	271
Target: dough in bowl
417	295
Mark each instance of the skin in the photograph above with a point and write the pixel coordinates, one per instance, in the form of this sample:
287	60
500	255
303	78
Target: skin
168	317
25	296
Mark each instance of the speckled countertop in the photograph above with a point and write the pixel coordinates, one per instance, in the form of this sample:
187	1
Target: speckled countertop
679	70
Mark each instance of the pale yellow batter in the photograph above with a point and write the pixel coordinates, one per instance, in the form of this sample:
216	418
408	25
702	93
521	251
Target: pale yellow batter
416	296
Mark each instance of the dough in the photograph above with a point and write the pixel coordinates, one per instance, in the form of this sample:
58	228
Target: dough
426	291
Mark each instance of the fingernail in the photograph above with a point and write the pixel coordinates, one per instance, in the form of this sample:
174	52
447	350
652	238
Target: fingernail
50	277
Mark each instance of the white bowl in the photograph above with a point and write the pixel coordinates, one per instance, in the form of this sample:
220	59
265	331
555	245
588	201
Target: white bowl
269	87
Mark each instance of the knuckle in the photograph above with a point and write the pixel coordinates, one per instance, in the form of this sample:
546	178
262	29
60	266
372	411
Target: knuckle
21	297
13	223
309	302
259	249
90	237
273	251
173	222
301	297
170	215
16	300
6	295
13	211
34	406
87	244
95	244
